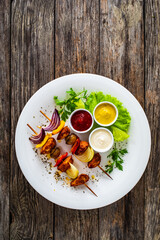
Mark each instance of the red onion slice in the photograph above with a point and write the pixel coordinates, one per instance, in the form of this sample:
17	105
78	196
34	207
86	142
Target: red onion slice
38	138
54	123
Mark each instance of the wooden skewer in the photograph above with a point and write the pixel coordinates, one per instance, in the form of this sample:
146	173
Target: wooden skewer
32	129
45	115
90	189
105	172
37	133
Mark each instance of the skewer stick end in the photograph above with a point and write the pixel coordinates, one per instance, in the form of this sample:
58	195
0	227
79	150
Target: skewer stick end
90	189
45	115
105	172
32	129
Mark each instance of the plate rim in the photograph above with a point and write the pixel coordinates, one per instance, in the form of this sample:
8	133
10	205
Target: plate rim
57	79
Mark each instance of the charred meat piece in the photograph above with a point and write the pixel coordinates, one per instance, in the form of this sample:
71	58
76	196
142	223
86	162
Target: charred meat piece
55	152
95	161
70	139
48	146
65	164
82	147
81	179
63	133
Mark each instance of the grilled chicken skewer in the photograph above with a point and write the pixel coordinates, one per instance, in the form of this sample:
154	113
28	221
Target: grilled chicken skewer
65	164
80	180
62	162
83	145
49	146
72	139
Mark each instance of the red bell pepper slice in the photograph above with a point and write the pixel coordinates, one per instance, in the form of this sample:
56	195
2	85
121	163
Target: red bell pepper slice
75	146
60	159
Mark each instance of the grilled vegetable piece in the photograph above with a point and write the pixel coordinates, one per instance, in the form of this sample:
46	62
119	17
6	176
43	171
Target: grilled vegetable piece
75	146
61	126
55	152
72	171
44	140
95	161
65	164
70	139
63	133
60	159
82	147
81	179
87	155
48	146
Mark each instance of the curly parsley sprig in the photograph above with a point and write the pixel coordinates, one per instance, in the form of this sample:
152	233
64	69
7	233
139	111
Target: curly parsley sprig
117	160
67	106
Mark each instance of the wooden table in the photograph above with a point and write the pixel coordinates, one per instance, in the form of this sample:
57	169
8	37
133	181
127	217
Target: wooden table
44	39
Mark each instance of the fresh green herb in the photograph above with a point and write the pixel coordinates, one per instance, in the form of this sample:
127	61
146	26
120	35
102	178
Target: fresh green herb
73	101
117	160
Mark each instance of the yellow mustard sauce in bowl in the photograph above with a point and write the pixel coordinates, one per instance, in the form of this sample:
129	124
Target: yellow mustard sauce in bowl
105	113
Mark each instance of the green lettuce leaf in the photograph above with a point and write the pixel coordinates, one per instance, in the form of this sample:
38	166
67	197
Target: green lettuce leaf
124	118
118	134
91	102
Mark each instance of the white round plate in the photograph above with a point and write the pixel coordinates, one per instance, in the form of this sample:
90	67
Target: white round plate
108	191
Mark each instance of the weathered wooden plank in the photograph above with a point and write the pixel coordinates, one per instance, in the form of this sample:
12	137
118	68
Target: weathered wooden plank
134	212
77	37
111	221
32	65
76	50
121	58
152	214
85	36
4	117
152	107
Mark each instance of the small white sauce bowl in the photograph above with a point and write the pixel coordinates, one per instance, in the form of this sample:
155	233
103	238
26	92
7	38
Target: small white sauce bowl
101	150
73	129
105	125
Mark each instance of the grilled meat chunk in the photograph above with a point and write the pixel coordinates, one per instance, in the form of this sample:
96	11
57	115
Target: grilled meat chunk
95	161
48	146
63	133
65	164
82	147
81	179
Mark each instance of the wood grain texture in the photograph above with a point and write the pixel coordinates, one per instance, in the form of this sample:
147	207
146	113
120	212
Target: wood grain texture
76	50
48	39
152	107
4	117
122	44
32	65
77	37
122	59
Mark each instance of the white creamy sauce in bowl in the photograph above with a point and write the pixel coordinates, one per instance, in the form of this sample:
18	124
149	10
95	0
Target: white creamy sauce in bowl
101	139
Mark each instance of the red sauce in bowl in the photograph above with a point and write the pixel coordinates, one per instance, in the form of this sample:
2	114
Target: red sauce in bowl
81	120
